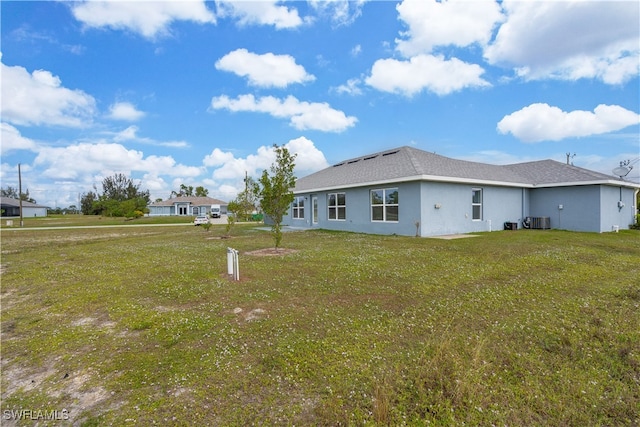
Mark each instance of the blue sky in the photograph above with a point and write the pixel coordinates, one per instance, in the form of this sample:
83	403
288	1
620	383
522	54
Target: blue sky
197	92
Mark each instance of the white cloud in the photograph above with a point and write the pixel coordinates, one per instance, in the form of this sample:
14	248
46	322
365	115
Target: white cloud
128	134
569	40
125	111
435	23
148	18
301	115
217	158
308	159
264	12
28	34
341	12
131	134
40	99
12	140
542	122
79	162
351	87
433	73
154	183
266	70
235	168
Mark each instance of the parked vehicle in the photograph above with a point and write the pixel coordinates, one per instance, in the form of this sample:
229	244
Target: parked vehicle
201	219
215	211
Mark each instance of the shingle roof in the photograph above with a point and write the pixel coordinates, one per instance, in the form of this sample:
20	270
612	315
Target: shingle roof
553	172
413	164
197	201
9	201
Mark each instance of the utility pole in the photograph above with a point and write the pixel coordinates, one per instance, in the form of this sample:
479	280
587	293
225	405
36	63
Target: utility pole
20	194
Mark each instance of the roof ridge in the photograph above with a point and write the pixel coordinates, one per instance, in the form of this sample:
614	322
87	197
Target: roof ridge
411	152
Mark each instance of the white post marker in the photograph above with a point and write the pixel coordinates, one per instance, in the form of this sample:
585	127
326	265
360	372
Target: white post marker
233	265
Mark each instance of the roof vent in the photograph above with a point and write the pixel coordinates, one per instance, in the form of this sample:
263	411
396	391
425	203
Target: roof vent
390	153
370	157
353	161
339	164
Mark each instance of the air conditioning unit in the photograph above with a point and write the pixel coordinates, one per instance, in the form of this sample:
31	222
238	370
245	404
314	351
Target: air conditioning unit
537	222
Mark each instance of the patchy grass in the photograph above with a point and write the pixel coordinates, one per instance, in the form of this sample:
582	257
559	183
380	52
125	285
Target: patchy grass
143	326
91	220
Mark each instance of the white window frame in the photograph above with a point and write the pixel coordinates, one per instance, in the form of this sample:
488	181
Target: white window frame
297	209
385	205
476	205
337	207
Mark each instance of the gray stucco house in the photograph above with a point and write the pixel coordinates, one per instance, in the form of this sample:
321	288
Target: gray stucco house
185	206
411	192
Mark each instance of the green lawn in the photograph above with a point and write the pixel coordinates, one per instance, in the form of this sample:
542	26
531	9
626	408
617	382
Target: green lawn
140	325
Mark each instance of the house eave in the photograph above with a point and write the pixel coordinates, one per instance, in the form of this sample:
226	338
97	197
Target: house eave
419	178
611	182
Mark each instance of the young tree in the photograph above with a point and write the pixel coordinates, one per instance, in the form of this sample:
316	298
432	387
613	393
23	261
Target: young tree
233	209
275	191
245	203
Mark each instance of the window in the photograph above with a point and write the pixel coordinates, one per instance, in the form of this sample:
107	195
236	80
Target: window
476	204
337	204
298	208
384	205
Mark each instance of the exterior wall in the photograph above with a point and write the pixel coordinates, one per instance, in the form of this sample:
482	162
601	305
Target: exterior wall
358	211
417	204
447	208
580	207
589	208
161	210
614	214
33	212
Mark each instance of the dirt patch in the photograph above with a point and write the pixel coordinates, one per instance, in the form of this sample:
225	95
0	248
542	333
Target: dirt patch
251	315
94	323
453	236
71	388
3	268
271	252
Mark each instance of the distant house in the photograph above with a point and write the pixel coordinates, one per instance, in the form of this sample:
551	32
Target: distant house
185	206
11	208
411	192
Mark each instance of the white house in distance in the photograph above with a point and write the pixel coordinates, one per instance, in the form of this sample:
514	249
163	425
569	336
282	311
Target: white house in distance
185	206
11	208
411	192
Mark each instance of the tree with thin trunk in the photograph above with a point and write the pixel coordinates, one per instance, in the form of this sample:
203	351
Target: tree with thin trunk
275	190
